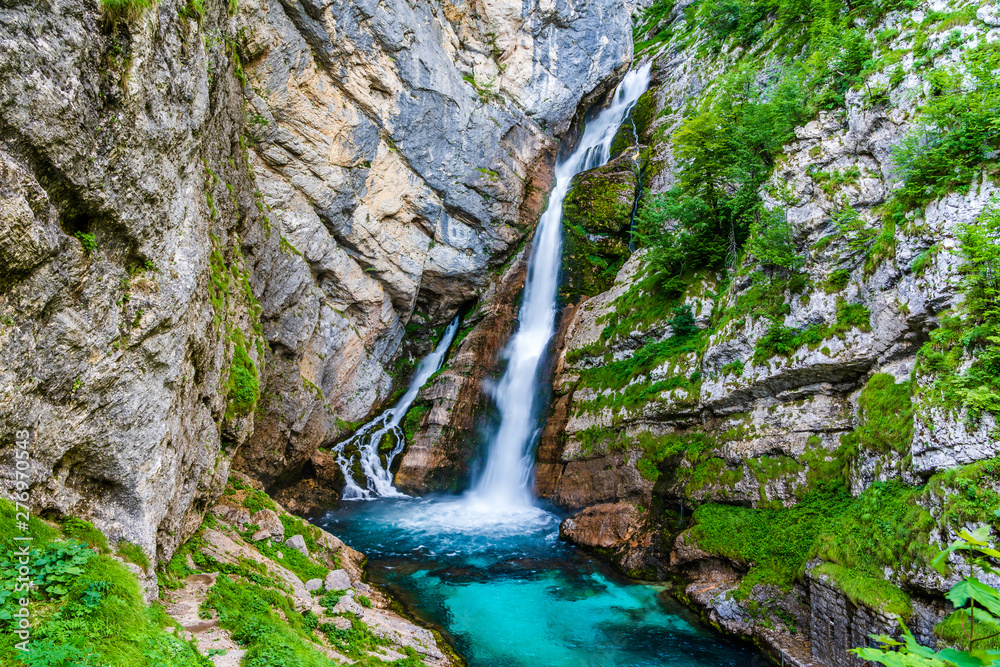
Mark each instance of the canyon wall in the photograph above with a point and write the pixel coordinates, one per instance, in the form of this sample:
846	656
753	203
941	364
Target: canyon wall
691	423
219	220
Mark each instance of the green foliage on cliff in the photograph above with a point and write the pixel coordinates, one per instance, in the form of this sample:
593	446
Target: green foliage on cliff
972	627
872	592
884	527
959	135
725	153
974	330
780	340
885	418
242	387
775	543
125	10
251	613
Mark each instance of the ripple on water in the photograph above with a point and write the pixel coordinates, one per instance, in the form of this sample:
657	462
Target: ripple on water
507	592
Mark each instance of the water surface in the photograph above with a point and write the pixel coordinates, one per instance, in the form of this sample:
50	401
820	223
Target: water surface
507	592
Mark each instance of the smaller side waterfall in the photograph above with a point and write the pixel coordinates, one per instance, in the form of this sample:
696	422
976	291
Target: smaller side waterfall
368	439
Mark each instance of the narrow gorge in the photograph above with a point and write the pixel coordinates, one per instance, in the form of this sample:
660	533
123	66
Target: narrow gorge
657	332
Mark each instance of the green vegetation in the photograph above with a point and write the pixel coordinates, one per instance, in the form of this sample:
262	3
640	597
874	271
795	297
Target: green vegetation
973	331
87	241
971	628
84	531
884	527
87	605
242	387
133	553
775	543
873	592
125	10
597	214
251	613
411	422
780	340
885	415
193	9
959	136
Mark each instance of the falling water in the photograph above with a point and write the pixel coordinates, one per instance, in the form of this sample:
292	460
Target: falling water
504	484
367	439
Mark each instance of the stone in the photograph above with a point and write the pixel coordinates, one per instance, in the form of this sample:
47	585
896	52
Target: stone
601	526
238	517
298	543
337	580
314	584
270	525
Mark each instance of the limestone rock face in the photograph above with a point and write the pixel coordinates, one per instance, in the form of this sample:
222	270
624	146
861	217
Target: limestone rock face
680	398
213	231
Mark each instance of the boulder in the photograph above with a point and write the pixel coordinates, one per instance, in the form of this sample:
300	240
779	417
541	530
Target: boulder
270	525
337	580
233	515
314	584
298	543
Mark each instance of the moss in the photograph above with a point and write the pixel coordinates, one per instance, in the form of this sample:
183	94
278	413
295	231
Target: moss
885	527
125	10
885	417
774	543
242	387
872	592
768	468
412	420
836	281
780	340
597	214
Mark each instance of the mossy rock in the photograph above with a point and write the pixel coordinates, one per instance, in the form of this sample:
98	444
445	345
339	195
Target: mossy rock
637	124
597	215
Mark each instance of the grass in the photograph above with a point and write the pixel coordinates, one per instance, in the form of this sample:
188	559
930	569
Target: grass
84	531
884	527
133	553
885	416
773	543
251	614
125	10
783	341
87	607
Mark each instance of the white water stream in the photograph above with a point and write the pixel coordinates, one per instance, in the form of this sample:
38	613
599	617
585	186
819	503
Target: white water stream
502	495
505	483
368	438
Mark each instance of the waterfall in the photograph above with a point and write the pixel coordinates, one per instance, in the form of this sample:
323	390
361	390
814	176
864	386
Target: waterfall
368	439
505	482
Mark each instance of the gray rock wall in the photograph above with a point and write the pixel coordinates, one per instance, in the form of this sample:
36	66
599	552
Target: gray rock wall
215	228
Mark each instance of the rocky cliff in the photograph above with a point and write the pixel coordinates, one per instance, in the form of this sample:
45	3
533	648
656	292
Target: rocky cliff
776	421
219	219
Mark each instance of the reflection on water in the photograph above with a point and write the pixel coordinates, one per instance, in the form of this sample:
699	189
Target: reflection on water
508	593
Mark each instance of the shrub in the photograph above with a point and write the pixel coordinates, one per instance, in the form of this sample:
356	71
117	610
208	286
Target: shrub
87	241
